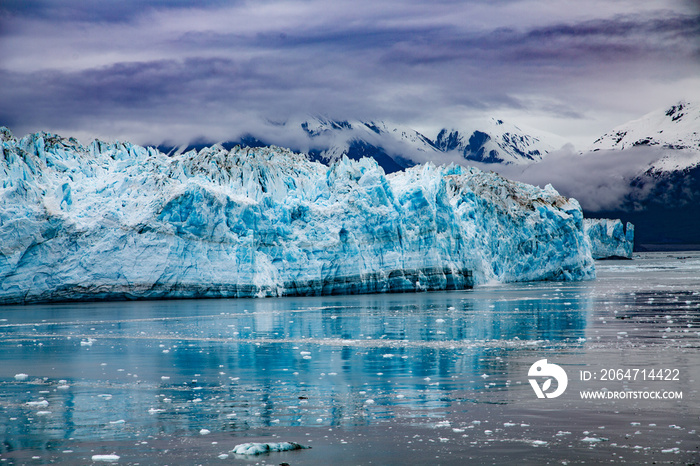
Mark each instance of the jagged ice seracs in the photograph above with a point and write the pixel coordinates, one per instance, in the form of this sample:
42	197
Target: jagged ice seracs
609	238
120	221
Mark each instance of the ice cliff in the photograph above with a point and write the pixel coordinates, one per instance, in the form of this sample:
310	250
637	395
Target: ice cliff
609	238
119	221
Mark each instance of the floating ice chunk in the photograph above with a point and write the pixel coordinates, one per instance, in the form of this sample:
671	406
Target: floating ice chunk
259	448
87	342
671	450
155	410
120	421
21	377
38	404
538	443
223	456
443	424
106	458
43	413
593	439
204	432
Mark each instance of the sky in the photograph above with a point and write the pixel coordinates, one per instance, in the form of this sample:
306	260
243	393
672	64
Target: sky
181	70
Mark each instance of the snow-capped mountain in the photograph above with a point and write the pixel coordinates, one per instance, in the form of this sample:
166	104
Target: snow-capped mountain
677	127
396	147
494	141
674	130
663	196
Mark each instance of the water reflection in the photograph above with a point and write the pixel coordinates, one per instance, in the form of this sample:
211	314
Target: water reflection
169	366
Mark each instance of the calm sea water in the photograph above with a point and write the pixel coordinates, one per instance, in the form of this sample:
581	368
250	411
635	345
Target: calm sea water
432	378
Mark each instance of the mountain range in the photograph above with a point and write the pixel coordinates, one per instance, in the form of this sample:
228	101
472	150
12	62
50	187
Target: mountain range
395	147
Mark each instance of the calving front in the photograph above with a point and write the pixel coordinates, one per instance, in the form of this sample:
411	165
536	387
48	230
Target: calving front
116	221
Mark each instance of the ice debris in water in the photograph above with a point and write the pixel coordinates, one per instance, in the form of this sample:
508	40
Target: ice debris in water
106	458
38	404
115	220
21	377
259	448
593	439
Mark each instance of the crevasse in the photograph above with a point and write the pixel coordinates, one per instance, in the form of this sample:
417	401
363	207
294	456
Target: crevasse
120	221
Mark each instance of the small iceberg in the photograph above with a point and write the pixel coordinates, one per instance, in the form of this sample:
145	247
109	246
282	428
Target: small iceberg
106	458
38	404
259	448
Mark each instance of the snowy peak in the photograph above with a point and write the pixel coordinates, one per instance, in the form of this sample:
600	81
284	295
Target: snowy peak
485	141
493	141
342	133
395	147
677	127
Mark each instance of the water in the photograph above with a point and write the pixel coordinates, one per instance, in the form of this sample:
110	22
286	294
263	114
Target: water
432	378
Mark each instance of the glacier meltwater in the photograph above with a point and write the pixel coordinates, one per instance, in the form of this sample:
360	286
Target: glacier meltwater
120	221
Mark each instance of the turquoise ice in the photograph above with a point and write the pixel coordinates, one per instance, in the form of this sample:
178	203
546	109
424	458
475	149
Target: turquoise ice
120	221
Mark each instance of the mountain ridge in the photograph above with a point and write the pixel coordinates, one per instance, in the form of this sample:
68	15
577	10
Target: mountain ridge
395	147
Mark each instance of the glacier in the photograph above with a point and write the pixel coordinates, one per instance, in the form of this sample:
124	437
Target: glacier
121	221
609	238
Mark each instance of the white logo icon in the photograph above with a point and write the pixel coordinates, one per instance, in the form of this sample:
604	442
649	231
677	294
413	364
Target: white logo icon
551	371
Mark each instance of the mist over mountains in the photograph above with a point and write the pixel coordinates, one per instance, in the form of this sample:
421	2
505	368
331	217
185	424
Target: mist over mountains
396	147
646	171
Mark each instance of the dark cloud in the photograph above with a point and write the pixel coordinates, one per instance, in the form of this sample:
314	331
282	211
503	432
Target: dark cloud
619	39
97	11
206	68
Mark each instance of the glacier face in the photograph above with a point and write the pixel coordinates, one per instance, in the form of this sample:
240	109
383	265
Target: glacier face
609	238
119	221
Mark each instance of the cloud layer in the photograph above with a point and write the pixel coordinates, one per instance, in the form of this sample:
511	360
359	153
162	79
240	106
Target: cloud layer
598	180
180	70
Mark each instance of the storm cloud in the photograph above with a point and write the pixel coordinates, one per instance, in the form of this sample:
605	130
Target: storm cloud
183	70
